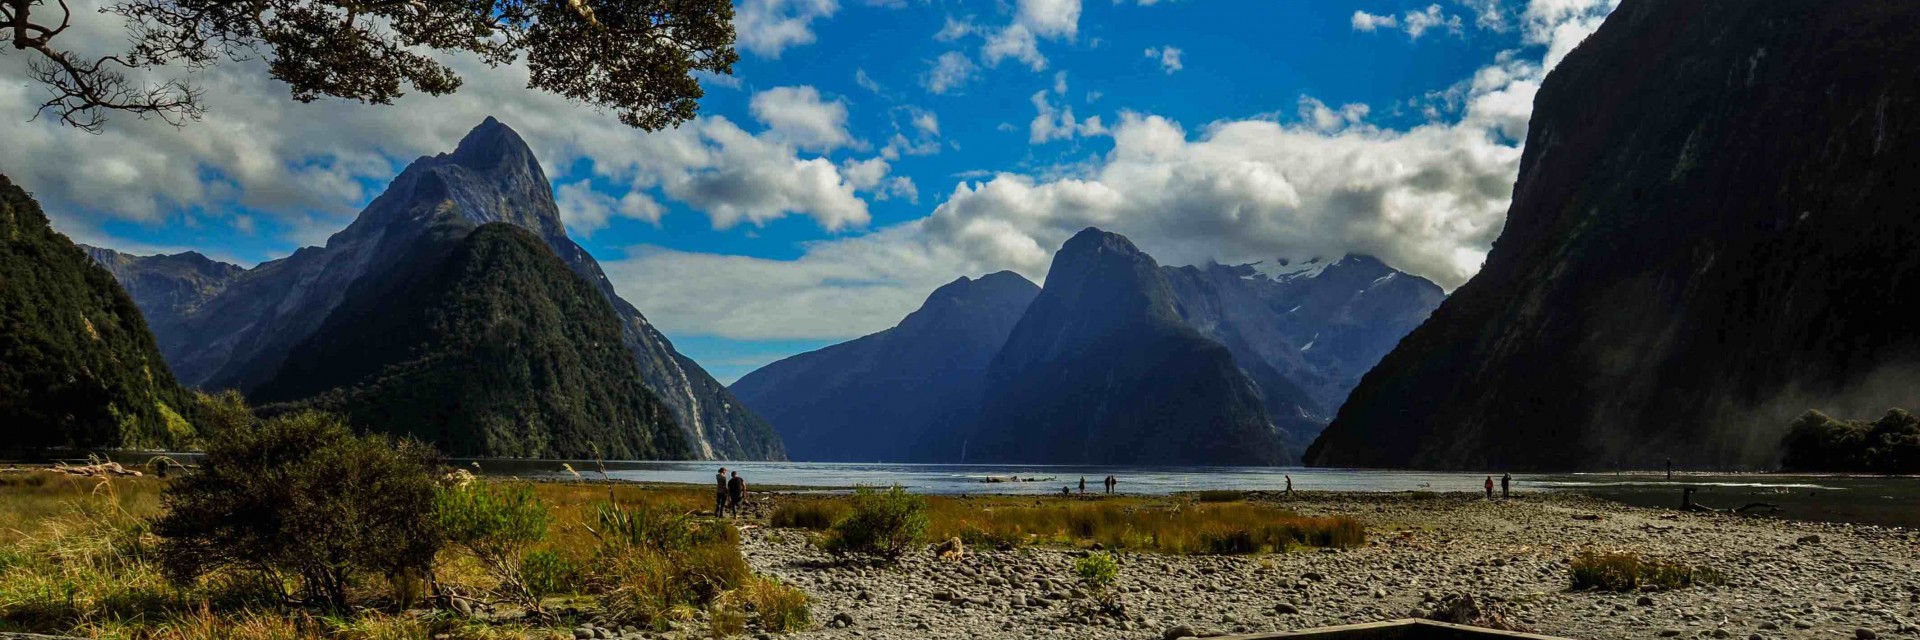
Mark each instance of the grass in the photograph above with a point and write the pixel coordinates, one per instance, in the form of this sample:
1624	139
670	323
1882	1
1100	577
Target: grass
1619	571
1165	525
76	559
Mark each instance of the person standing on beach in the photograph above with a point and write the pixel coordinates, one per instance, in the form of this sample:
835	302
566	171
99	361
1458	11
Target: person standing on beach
1111	481
736	492
1289	485
720	493
1489	487
1083	485
1669	468
1506	486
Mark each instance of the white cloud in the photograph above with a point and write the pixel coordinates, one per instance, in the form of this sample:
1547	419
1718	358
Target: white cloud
797	115
1057	123
585	210
1363	21
865	81
1488	14
769	27
1317	114
955	29
926	122
1049	18
952	70
1017	42
1033	20
1169	57
1417	23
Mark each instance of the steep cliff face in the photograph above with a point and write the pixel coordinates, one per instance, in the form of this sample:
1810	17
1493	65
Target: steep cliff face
178	283
900	395
77	365
239	337
1304	332
483	343
1713	230
1101	369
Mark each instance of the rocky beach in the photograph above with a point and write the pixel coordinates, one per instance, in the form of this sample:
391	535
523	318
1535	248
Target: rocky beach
1784	579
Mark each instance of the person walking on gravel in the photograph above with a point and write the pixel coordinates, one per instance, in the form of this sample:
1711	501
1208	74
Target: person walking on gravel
1506	486
1489	487
720	493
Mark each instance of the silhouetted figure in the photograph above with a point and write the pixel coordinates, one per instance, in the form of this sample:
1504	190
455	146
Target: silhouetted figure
736	492
1506	486
1669	468
1111	483
1686	498
1289	486
1489	487
1066	491
1083	485
720	493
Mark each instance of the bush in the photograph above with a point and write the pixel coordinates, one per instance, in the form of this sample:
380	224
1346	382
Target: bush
1817	442
778	607
1628	572
548	573
497	524
301	496
1220	495
1096	570
818	515
882	523
654	563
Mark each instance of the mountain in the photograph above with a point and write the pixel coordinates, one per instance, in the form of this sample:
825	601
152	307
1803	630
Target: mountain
240	336
1101	369
1304	332
900	395
180	282
484	344
77	365
1713	231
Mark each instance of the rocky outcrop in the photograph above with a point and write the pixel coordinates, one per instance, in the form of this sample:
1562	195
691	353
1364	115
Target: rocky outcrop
1713	231
900	395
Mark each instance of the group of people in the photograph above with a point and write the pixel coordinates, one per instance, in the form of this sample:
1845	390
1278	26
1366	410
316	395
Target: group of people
1110	482
728	493
1506	486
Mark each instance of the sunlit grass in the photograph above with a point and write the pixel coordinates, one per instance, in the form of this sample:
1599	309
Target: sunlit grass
1620	571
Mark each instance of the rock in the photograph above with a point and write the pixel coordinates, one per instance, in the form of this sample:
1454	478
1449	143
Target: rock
1769	626
464	608
580	633
1644	601
1177	632
841	620
1721	633
1286	609
1808	539
1864	634
1313	576
1669	633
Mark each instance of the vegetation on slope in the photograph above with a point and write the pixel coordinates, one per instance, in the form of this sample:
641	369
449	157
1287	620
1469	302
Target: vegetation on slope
484	346
77	365
1818	442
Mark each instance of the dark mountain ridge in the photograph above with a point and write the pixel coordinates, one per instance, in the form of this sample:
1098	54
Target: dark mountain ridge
899	395
241	336
1713	230
1101	369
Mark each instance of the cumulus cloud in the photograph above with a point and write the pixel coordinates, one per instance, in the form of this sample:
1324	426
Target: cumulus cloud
1414	23
1169	57
950	71
797	115
584	210
1428	199
1057	122
1033	20
300	171
769	27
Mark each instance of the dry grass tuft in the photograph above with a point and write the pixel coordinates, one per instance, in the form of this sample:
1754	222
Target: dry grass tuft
1620	571
1166	526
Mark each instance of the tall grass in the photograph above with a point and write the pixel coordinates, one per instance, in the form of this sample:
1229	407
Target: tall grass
818	514
1166	526
1618	571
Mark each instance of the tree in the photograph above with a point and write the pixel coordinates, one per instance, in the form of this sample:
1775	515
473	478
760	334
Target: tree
635	57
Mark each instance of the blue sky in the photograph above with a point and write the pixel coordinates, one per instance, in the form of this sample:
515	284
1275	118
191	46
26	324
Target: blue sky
866	151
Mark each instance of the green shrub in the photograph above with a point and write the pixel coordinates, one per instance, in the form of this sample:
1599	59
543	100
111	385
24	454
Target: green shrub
548	573
497	524
1096	570
302	496
818	515
1628	572
778	607
654	562
882	523
1817	442
1220	495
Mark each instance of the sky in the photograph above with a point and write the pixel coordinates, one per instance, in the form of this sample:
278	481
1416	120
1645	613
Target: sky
865	152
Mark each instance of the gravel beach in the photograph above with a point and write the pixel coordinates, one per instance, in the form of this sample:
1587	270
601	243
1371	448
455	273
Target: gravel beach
1784	579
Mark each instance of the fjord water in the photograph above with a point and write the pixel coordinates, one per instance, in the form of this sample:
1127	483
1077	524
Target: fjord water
1889	501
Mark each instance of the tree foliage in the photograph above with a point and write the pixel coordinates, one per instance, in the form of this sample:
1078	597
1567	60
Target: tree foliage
635	57
1818	442
301	497
883	523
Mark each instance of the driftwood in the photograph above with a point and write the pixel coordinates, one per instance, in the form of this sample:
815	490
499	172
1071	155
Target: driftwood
1687	503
